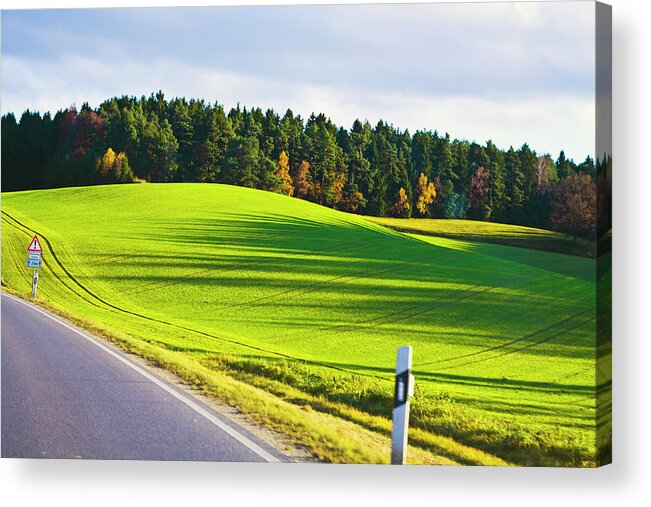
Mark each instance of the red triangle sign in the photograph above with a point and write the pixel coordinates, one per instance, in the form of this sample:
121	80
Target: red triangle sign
35	245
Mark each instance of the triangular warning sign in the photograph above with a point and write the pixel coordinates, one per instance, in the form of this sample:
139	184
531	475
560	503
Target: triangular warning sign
35	245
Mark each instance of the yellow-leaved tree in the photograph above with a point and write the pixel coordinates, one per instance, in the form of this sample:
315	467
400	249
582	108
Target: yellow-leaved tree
401	207
282	173
426	193
114	168
108	162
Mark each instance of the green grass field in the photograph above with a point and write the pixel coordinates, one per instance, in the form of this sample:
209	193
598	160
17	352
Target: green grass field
501	234
293	313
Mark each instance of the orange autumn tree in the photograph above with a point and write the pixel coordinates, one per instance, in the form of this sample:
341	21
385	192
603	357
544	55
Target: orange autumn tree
402	206
302	181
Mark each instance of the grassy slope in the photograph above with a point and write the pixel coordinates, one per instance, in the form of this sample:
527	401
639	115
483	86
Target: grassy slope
224	284
502	234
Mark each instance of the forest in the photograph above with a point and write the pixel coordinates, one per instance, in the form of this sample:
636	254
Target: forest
372	170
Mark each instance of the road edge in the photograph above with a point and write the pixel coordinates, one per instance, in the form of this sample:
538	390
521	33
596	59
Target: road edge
186	397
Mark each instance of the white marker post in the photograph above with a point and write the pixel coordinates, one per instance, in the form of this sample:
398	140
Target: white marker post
403	391
34	283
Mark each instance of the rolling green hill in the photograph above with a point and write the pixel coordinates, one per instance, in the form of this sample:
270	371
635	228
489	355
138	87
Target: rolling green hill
293	313
491	232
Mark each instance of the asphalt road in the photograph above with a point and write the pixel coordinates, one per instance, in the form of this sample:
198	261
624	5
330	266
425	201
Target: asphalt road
65	394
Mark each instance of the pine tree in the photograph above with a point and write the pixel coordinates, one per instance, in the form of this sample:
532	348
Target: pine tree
359	168
564	166
218	134
515	187
184	132
240	165
266	177
496	186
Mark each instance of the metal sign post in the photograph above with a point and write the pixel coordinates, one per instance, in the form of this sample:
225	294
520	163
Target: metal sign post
403	391
34	251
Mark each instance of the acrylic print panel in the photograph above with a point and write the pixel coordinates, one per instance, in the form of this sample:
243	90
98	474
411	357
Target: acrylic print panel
344	234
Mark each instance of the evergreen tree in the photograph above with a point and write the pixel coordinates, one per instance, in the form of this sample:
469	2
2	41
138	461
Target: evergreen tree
325	157
460	154
587	166
515	188
496	186
528	163
420	153
292	134
374	170
266	177
240	165
564	166
12	177
184	132
214	144
158	151
359	168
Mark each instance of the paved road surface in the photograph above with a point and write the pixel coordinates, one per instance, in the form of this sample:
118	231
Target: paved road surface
67	395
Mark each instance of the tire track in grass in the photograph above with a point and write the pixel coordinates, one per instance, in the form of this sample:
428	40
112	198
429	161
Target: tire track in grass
117	308
23	229
185	328
303	289
171	281
168	282
393	269
520	349
313	286
574	374
512	342
108	258
236	342
170	324
390	317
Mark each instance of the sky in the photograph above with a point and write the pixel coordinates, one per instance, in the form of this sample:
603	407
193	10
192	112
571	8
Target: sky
508	72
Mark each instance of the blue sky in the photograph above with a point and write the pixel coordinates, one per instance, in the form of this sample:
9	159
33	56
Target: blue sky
510	72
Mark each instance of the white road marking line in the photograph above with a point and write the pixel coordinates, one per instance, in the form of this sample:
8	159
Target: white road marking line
194	406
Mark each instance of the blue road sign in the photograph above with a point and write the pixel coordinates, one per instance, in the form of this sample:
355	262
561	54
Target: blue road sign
34	256
32	263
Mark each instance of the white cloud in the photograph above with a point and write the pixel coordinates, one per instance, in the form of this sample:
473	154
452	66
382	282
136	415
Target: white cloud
547	122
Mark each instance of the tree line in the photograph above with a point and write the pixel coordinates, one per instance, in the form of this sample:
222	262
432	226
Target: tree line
377	170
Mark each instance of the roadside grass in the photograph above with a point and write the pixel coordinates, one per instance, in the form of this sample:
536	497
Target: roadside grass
501	234
330	439
305	306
